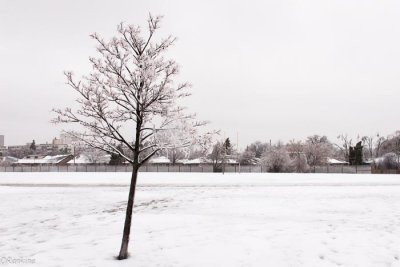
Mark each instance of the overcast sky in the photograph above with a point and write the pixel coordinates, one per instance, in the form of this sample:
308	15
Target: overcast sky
265	69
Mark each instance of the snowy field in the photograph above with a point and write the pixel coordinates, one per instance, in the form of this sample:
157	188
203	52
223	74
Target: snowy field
76	219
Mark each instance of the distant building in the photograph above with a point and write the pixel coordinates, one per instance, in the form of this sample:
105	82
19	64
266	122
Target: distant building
1	140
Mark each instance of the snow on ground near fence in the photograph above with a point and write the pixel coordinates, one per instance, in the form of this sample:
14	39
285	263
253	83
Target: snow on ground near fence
195	179
76	219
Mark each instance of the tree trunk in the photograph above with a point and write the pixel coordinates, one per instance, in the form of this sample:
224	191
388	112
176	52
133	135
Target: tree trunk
123	254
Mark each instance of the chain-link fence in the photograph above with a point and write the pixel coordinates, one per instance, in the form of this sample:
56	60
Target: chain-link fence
174	168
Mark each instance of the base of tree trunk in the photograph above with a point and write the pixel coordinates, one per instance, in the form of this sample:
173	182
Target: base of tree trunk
122	257
123	253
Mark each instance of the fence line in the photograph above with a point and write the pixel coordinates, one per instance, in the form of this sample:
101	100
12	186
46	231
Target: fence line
173	168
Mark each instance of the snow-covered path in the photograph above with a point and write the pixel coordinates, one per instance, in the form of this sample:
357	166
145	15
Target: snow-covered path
76	219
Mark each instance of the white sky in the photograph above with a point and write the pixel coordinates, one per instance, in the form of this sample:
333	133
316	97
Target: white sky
266	69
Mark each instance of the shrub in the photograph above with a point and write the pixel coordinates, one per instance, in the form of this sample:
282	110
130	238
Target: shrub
277	160
390	161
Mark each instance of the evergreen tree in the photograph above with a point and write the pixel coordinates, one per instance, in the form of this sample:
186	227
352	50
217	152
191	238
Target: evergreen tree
228	146
117	159
33	146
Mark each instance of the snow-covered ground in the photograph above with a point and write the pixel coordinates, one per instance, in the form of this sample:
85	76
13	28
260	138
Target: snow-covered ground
189	219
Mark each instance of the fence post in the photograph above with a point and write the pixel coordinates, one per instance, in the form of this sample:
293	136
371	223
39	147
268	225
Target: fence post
190	168
356	169
179	168
342	168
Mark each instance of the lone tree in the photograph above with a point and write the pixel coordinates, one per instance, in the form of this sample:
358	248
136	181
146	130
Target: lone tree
130	98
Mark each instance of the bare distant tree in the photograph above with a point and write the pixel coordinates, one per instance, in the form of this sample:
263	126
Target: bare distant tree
258	148
295	148
344	145
195	153
277	159
218	156
247	157
369	144
175	151
381	140
317	149
297	153
175	154
94	155
129	98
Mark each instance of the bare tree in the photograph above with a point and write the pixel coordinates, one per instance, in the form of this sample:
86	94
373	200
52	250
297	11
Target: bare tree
296	150
175	154
175	151
130	98
344	146
369	144
277	159
258	148
195	153
94	155
317	149
381	140
218	156
247	157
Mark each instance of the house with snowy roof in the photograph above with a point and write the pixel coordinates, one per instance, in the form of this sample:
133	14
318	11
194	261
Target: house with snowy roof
47	160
